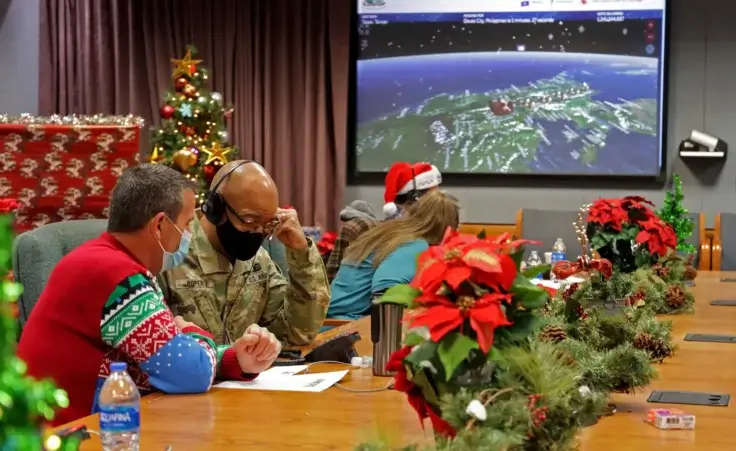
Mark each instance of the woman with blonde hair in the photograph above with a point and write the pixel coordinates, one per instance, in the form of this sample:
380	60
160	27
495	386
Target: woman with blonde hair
387	254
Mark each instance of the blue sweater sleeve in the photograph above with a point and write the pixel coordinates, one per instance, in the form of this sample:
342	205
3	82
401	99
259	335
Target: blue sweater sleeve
399	267
137	322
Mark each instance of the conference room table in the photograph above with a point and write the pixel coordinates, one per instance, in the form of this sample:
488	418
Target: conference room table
337	419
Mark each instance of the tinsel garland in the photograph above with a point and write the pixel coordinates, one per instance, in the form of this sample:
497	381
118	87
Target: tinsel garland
74	120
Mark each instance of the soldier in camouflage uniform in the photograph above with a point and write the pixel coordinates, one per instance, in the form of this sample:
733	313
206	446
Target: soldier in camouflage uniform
228	281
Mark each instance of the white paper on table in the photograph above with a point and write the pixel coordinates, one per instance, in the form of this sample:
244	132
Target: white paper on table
314	383
283	371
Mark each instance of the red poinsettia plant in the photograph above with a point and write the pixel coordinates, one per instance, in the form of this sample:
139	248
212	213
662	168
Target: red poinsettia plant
326	244
467	300
628	232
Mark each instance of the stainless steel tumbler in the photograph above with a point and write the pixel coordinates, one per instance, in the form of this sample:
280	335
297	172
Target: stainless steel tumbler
385	334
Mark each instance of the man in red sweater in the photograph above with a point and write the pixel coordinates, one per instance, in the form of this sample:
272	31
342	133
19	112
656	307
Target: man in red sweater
102	304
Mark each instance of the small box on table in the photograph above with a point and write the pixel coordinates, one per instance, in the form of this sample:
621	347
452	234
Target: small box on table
671	419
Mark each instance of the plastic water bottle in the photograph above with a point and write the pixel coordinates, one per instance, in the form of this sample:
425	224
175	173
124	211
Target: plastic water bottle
120	407
559	253
533	261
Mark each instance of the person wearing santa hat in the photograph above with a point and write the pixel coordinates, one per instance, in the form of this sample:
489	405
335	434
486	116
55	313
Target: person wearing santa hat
387	254
405	183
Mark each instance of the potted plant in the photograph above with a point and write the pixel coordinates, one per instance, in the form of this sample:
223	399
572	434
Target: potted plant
627	232
471	361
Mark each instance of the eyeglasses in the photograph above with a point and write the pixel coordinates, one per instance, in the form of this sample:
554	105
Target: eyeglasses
255	225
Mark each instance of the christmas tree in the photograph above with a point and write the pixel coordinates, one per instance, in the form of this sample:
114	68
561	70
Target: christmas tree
674	214
25	404
193	136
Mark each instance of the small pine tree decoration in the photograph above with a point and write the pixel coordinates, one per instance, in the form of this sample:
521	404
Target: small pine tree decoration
193	136
25	404
674	214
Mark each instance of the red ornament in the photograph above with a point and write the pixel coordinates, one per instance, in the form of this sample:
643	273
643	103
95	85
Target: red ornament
167	112
180	83
210	170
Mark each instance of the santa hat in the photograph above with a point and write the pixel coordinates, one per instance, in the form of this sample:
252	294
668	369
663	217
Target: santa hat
405	177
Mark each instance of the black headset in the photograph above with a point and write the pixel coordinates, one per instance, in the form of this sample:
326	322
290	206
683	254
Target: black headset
214	205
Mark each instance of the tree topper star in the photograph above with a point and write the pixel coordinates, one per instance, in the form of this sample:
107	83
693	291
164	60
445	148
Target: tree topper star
185	66
216	153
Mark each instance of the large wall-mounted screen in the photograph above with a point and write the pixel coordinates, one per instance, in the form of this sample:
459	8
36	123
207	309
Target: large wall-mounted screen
524	86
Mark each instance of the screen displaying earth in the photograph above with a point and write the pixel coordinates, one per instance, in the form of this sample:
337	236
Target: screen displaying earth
510	112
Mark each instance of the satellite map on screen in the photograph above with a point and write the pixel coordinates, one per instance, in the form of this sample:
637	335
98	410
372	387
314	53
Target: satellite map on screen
524	112
566	92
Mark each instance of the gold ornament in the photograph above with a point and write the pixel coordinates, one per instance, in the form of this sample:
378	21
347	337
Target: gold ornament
216	153
155	156
183	67
184	159
190	91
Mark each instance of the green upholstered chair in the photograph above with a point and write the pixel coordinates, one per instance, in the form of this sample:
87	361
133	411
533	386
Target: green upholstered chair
36	252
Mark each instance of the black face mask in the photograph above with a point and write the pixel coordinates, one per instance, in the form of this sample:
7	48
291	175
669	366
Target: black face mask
237	244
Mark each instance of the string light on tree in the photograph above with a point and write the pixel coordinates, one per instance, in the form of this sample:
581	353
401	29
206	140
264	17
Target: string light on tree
192	123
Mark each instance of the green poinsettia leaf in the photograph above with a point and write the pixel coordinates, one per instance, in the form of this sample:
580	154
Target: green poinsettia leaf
482	235
571	309
413	339
522	281
534	271
518	257
453	350
422	353
631	233
597	242
429	393
528	295
495	355
400	294
524	324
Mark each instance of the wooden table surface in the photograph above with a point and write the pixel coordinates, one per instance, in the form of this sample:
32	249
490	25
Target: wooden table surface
338	420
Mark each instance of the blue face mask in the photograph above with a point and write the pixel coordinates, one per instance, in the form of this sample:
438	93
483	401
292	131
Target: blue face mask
176	258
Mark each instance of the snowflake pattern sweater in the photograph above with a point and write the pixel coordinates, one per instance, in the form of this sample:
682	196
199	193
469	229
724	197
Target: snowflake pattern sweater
100	306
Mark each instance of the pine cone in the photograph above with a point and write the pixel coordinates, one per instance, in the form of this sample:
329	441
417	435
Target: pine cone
661	271
658	349
553	334
675	296
690	272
